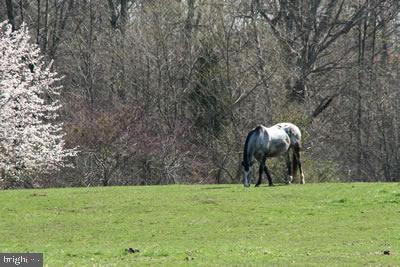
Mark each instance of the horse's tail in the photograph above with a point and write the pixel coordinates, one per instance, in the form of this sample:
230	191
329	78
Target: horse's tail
246	154
295	161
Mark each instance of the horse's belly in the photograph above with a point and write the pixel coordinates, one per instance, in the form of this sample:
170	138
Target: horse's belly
278	147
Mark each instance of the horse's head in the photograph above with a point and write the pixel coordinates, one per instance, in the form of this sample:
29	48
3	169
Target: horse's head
246	174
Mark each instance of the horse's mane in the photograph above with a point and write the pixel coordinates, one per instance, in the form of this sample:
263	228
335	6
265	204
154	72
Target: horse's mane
246	144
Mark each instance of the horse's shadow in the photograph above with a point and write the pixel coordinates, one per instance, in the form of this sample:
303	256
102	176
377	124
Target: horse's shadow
275	185
215	187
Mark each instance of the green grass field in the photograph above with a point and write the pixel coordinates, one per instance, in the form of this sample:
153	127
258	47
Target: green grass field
209	225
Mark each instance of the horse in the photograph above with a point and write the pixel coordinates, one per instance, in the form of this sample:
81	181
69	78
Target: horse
267	142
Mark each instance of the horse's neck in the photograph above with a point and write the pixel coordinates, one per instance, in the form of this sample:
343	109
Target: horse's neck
251	143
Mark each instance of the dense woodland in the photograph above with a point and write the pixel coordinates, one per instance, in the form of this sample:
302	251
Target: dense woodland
165	91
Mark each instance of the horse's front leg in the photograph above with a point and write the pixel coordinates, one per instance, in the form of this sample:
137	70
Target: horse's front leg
260	172
268	175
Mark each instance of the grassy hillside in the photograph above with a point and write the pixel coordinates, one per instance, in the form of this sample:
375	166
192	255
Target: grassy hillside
314	224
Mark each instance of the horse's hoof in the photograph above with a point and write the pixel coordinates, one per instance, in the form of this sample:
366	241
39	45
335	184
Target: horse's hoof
257	185
246	185
270	184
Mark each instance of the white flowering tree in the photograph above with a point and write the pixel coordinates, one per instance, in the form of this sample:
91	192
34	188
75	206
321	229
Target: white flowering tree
31	139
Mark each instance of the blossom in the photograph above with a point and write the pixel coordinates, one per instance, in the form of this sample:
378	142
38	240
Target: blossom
31	137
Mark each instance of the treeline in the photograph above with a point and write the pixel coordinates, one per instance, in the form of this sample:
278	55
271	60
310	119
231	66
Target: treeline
158	92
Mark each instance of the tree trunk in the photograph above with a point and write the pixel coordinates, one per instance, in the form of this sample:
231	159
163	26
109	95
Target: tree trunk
38	23
10	14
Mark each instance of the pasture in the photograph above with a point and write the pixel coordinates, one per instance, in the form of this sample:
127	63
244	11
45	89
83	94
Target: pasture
209	225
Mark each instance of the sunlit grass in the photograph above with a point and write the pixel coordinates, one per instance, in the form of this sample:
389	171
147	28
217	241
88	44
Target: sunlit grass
313	224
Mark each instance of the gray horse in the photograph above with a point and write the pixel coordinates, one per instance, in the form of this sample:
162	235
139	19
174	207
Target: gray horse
263	143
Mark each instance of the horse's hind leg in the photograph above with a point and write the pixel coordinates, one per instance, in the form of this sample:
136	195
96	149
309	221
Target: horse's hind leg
297	155
260	172
268	175
289	166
